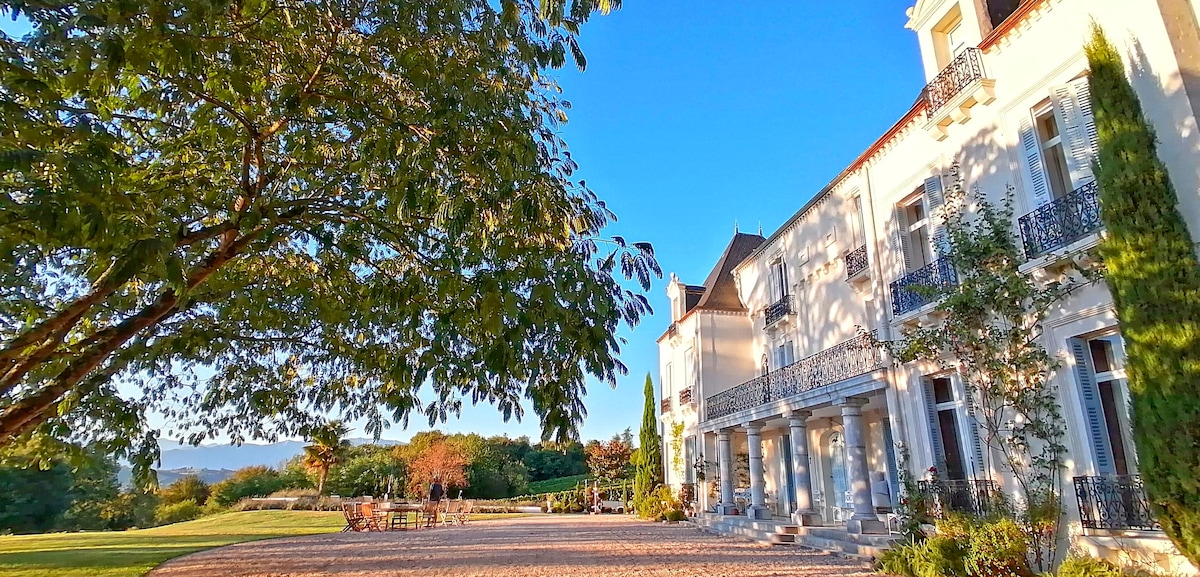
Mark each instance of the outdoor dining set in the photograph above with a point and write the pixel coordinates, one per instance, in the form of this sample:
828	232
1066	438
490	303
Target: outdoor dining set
368	515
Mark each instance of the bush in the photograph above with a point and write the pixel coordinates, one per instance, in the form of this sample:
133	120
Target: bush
675	516
187	488
657	503
898	560
998	549
1078	566
940	557
185	510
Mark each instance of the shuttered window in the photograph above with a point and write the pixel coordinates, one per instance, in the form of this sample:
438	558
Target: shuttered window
951	422
1059	143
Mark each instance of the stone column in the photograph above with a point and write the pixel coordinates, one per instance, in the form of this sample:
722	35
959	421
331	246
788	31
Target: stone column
798	429
758	482
864	519
725	463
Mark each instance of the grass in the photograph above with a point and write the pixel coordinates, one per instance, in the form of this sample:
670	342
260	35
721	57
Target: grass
133	553
555	485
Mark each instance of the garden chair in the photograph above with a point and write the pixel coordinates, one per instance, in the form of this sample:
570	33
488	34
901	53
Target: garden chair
450	512
464	514
372	517
400	521
354	518
429	513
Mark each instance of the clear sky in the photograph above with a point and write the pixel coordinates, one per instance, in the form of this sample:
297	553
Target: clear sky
692	116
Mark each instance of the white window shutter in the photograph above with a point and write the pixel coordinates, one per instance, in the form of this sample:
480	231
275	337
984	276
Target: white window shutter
1093	410
935	200
900	239
935	430
1073	108
1034	170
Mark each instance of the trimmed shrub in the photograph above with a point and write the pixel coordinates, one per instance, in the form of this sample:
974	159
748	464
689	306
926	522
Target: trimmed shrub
1155	281
675	516
649	473
998	549
1079	566
898	560
940	557
185	510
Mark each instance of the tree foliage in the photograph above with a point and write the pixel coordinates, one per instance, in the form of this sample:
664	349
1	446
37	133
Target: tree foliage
442	461
327	446
610	460
258	212
1154	277
648	464
990	333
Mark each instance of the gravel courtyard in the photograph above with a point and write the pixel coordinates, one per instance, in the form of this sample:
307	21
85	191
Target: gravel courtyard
558	546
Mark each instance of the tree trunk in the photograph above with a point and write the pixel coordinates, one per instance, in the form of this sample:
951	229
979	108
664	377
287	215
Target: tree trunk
321	480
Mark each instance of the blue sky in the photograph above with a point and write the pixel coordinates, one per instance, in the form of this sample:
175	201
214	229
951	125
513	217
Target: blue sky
690	118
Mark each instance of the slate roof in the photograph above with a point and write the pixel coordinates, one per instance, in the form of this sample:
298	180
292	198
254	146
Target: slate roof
720	291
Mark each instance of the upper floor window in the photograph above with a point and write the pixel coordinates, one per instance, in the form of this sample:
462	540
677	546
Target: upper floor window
666	382
778	280
785	355
1059	143
919	236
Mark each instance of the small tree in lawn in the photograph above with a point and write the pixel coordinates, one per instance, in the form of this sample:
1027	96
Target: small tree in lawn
441	460
990	333
327	447
649	462
609	460
1154	277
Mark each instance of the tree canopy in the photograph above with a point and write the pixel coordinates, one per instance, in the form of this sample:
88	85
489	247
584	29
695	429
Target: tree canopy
256	213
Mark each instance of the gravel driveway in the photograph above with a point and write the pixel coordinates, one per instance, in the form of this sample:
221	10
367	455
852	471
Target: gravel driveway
557	546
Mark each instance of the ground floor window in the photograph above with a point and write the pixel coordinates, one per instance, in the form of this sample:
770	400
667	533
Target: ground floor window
954	435
1104	396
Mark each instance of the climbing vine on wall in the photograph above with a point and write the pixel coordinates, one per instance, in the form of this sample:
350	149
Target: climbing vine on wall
990	332
677	447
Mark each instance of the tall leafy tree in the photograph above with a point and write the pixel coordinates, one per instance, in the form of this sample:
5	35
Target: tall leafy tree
327	447
257	212
1154	276
649	467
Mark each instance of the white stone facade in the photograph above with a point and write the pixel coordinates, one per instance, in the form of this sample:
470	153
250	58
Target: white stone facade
791	395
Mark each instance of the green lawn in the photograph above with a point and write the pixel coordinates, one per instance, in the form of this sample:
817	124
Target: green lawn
555	485
133	553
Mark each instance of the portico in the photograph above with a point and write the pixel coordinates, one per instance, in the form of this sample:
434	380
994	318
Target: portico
819	457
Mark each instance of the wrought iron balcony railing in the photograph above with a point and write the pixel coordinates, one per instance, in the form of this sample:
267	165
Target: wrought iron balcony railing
856	262
919	287
857	356
779	309
665	405
971	497
673	330
1062	222
1114	502
962	71
685	396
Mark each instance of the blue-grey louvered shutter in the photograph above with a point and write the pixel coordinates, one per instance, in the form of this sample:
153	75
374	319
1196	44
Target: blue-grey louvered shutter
935	430
1093	410
980	467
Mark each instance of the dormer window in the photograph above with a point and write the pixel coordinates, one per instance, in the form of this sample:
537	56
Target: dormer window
950	37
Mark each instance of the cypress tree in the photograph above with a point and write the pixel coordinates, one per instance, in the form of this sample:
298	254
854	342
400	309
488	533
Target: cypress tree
1154	277
649	473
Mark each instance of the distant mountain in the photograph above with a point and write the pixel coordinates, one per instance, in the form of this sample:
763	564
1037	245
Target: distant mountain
217	457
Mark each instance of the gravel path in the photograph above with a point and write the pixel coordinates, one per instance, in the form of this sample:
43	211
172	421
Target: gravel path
557	546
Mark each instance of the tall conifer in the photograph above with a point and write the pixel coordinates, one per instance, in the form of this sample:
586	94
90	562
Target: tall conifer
649	462
1154	276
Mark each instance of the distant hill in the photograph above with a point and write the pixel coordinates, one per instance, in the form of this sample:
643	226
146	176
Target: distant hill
217	457
168	476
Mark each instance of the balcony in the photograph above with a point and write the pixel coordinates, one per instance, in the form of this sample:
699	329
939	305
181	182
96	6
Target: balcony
857	356
922	286
1062	222
685	396
778	310
673	331
1114	502
665	406
856	263
958	88
972	497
